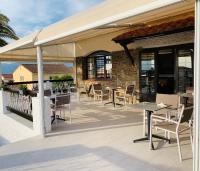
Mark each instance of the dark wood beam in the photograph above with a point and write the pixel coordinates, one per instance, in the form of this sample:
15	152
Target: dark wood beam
133	39
128	53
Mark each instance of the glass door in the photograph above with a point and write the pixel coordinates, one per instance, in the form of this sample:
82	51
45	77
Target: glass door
166	71
185	69
147	76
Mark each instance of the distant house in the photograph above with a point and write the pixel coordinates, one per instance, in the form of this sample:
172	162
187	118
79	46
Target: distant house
7	78
28	72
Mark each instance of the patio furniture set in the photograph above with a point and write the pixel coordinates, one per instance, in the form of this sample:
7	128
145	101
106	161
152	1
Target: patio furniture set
166	114
114	95
60	101
171	113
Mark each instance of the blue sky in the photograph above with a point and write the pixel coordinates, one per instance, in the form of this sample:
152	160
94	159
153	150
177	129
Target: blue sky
27	16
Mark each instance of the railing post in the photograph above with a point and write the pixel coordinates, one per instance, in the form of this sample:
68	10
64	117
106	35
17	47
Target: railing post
196	142
36	115
3	102
41	89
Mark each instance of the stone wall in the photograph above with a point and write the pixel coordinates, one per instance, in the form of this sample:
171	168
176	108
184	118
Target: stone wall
123	72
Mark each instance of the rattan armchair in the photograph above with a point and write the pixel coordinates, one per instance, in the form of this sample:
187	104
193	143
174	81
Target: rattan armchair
99	92
126	95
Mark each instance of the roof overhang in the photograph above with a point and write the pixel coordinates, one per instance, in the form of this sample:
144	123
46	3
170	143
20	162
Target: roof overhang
66	33
101	15
166	28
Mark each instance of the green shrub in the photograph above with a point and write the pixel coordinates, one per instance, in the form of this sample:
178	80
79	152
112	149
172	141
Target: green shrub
23	87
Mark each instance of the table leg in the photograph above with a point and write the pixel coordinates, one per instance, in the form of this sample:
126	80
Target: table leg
148	131
147	137
113	96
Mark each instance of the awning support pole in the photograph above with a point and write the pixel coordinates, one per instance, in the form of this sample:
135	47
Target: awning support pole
75	71
41	89
0	73
196	142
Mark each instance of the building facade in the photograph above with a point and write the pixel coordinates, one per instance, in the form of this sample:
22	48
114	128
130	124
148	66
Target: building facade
28	72
158	59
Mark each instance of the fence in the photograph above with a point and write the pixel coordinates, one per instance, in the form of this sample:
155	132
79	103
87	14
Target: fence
20	97
20	104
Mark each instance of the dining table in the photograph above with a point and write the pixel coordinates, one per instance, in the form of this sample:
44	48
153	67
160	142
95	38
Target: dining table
114	89
149	108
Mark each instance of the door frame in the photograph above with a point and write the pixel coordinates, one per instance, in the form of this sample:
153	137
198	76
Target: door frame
175	49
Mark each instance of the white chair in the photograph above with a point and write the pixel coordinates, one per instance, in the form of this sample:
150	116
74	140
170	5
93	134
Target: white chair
175	126
173	100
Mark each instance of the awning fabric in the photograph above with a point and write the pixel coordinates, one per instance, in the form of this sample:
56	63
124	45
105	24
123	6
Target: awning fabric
64	34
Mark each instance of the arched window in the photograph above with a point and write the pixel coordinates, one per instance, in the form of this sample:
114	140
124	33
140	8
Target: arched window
99	65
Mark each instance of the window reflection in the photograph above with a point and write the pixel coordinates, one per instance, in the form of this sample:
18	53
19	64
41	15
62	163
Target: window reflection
147	73
99	65
185	71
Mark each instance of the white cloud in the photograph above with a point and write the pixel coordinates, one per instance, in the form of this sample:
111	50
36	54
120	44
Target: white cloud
29	15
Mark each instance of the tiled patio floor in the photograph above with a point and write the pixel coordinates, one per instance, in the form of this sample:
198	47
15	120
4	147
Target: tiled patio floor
99	138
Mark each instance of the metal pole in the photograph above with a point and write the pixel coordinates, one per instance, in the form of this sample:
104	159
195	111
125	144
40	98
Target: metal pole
75	71
0	73
196	142
41	89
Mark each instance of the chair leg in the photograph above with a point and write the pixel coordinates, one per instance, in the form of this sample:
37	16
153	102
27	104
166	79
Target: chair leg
56	120
79	96
191	139
144	122
166	134
151	138
64	112
70	114
179	147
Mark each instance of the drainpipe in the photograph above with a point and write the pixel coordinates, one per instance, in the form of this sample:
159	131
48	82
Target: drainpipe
41	90
196	141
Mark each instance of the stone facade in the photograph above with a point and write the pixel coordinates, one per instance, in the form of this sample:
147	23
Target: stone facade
123	72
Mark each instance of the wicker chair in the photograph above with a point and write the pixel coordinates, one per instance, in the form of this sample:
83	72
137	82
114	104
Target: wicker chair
127	94
82	89
99	93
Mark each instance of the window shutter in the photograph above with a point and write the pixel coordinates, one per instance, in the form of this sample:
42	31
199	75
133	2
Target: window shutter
84	68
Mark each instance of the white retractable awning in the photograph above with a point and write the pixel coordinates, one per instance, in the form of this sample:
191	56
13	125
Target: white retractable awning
58	40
